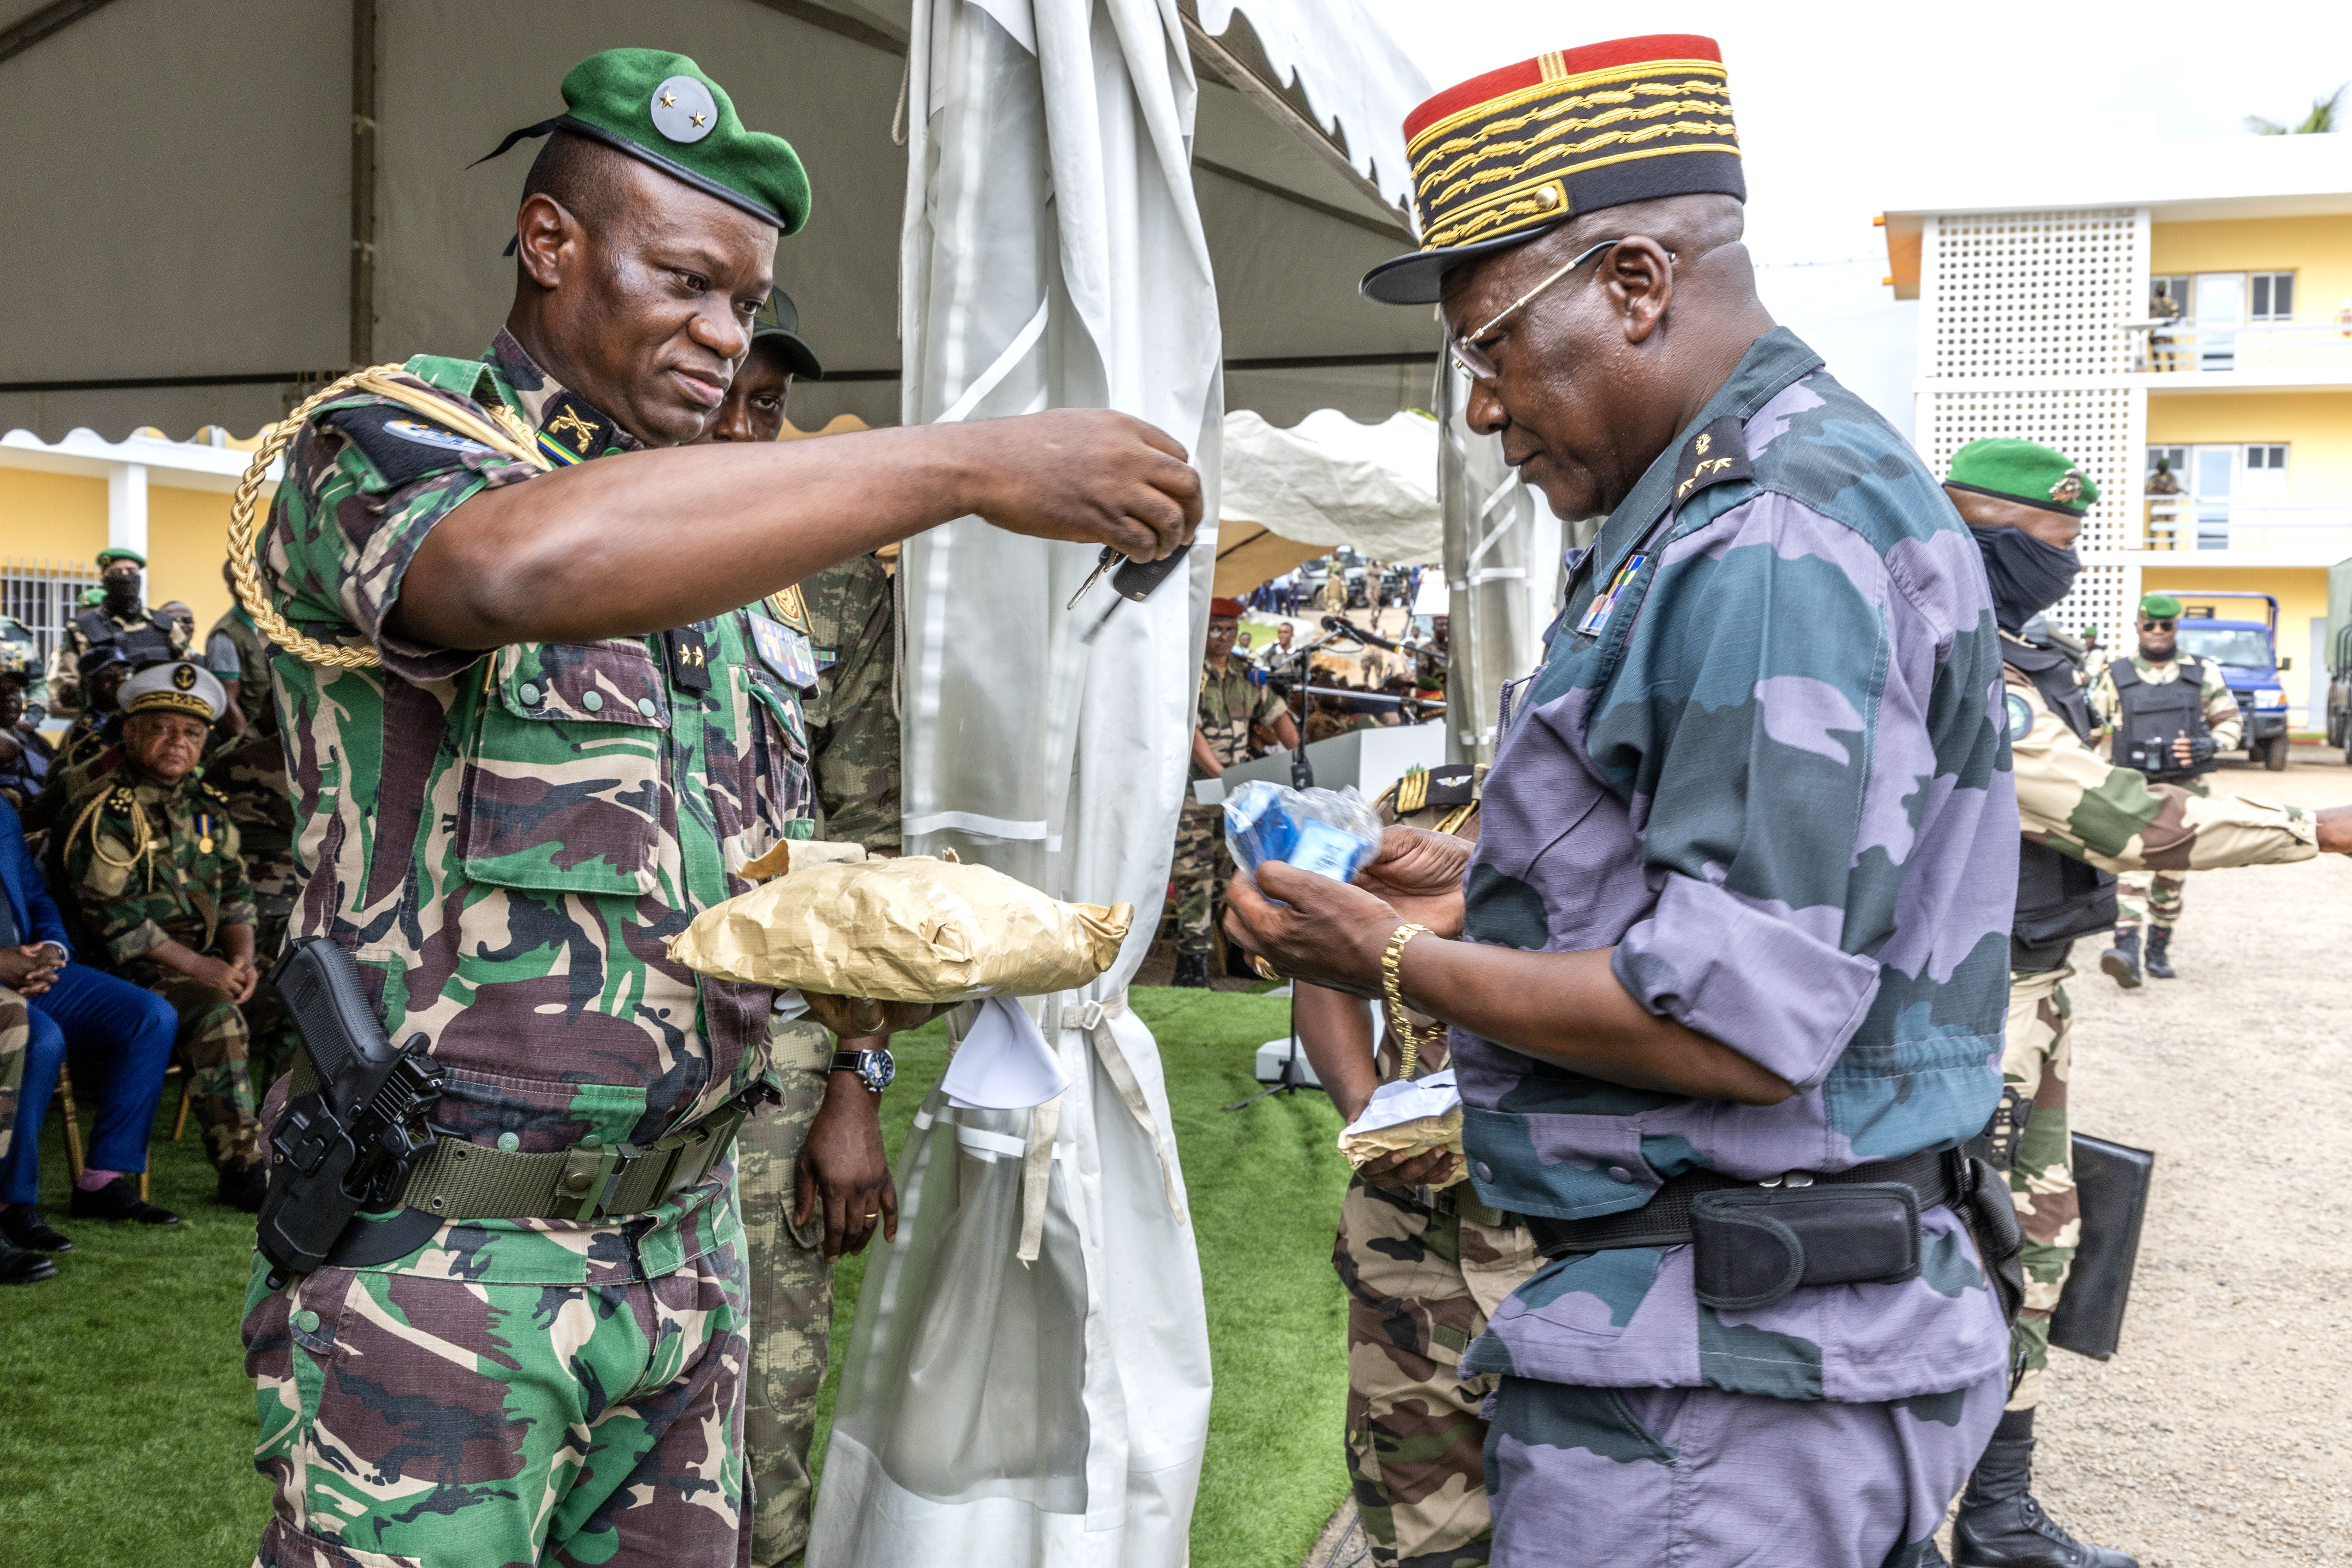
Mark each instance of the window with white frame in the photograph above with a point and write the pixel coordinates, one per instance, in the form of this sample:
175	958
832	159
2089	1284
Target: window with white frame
2273	297
44	596
2265	469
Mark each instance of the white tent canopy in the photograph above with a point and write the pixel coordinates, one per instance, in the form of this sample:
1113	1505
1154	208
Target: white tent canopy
184	170
1326	481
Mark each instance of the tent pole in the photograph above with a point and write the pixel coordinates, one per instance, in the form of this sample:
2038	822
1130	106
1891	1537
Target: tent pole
364	40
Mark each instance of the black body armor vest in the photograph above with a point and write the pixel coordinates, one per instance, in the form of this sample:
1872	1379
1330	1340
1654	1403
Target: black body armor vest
141	644
2153	715
2058	897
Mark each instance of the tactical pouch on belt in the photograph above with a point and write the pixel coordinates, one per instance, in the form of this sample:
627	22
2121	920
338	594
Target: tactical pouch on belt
1991	1215
1751	1246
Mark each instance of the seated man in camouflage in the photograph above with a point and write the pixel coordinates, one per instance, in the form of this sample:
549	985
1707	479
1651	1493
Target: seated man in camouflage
150	861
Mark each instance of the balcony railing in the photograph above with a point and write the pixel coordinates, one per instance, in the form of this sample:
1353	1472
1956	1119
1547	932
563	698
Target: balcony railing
2182	522
2247	347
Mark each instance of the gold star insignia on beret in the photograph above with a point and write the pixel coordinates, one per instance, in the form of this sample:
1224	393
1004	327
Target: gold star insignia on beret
670	100
698	119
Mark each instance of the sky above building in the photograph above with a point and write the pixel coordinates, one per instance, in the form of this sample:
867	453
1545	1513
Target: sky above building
1843	107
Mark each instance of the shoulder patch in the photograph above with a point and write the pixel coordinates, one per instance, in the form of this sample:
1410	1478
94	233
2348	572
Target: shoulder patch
2020	717
572	432
790	609
1715	455
403	447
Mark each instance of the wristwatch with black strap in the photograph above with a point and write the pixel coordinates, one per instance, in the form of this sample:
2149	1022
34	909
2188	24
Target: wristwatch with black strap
874	1067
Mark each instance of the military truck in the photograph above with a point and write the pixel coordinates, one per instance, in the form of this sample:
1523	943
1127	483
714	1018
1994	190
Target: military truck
2339	657
2247	651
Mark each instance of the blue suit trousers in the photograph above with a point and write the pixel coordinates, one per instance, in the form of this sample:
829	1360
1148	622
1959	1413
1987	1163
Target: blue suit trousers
130	1030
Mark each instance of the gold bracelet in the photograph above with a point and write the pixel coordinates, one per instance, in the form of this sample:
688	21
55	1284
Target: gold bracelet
1409	1039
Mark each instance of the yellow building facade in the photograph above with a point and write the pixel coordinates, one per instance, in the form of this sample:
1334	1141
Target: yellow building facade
2178	318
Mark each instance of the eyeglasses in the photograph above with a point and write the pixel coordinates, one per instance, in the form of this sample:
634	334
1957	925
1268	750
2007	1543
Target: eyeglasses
2155	626
1466	348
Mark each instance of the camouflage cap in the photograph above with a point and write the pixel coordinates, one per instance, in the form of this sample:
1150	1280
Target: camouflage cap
662	108
2159	606
2024	472
780	319
180	687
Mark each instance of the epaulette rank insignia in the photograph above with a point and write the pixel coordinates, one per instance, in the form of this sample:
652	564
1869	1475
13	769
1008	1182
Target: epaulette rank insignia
1717	453
1411	792
1456	784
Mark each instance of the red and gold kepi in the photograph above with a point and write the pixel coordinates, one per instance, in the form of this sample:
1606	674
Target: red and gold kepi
1506	156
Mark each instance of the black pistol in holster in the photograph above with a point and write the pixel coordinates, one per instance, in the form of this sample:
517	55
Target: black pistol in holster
354	1119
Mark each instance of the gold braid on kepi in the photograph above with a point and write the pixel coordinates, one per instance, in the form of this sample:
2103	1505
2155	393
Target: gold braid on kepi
1509	155
502	433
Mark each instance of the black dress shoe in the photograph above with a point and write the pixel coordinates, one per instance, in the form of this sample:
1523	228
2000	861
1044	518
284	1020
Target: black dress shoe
244	1186
23	1226
20	1267
118	1200
1192	970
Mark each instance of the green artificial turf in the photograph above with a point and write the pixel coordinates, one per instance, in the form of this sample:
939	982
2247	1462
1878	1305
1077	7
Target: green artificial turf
126	1423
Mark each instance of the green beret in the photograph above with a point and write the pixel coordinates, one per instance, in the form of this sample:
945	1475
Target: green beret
2021	471
2159	606
660	108
113	553
781	318
90	596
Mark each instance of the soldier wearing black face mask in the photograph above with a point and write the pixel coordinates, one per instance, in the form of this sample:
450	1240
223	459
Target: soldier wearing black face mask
121	619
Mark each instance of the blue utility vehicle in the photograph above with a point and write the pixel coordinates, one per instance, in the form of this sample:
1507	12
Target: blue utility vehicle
2247	651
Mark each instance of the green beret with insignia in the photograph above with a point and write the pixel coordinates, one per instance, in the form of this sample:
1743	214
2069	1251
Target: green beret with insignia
661	108
114	553
2024	472
2160	607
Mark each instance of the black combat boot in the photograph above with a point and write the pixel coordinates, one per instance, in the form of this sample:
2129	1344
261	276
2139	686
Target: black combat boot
2121	961
1191	970
2000	1525
2160	963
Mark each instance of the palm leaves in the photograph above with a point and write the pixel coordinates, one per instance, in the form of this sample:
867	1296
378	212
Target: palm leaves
2320	119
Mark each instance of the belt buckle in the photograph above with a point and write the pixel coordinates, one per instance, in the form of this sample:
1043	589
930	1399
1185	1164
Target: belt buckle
693	1160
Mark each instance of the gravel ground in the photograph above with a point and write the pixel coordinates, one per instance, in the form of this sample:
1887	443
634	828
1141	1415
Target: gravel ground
2219	1436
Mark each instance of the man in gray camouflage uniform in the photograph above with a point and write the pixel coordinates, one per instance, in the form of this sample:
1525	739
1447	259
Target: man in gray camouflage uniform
810	1169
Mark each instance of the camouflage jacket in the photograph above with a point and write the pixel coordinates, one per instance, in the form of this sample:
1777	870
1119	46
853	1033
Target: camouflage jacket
2222	716
1762	764
1230	703
853	713
2112	818
147	862
506	840
89	750
236	650
20	650
250	777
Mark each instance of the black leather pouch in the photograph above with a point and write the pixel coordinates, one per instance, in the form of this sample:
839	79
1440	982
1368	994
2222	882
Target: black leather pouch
1751	1247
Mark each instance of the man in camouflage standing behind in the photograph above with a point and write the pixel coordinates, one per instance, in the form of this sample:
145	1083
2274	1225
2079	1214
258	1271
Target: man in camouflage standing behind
2082	821
810	1168
1424	1264
2123	689
121	618
1231	703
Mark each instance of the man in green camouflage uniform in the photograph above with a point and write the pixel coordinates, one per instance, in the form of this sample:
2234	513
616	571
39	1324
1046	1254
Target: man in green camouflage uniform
151	859
119	618
810	1169
2154	899
1424	1263
510	795
1231	703
2082	820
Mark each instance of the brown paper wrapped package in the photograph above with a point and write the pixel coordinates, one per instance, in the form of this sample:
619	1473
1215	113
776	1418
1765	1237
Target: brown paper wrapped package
909	930
1418	1136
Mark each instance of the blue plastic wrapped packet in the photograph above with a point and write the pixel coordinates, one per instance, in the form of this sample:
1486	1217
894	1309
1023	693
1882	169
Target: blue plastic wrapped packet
1331	833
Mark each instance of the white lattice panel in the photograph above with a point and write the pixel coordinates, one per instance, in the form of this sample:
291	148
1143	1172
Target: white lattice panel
2034	293
2100	428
